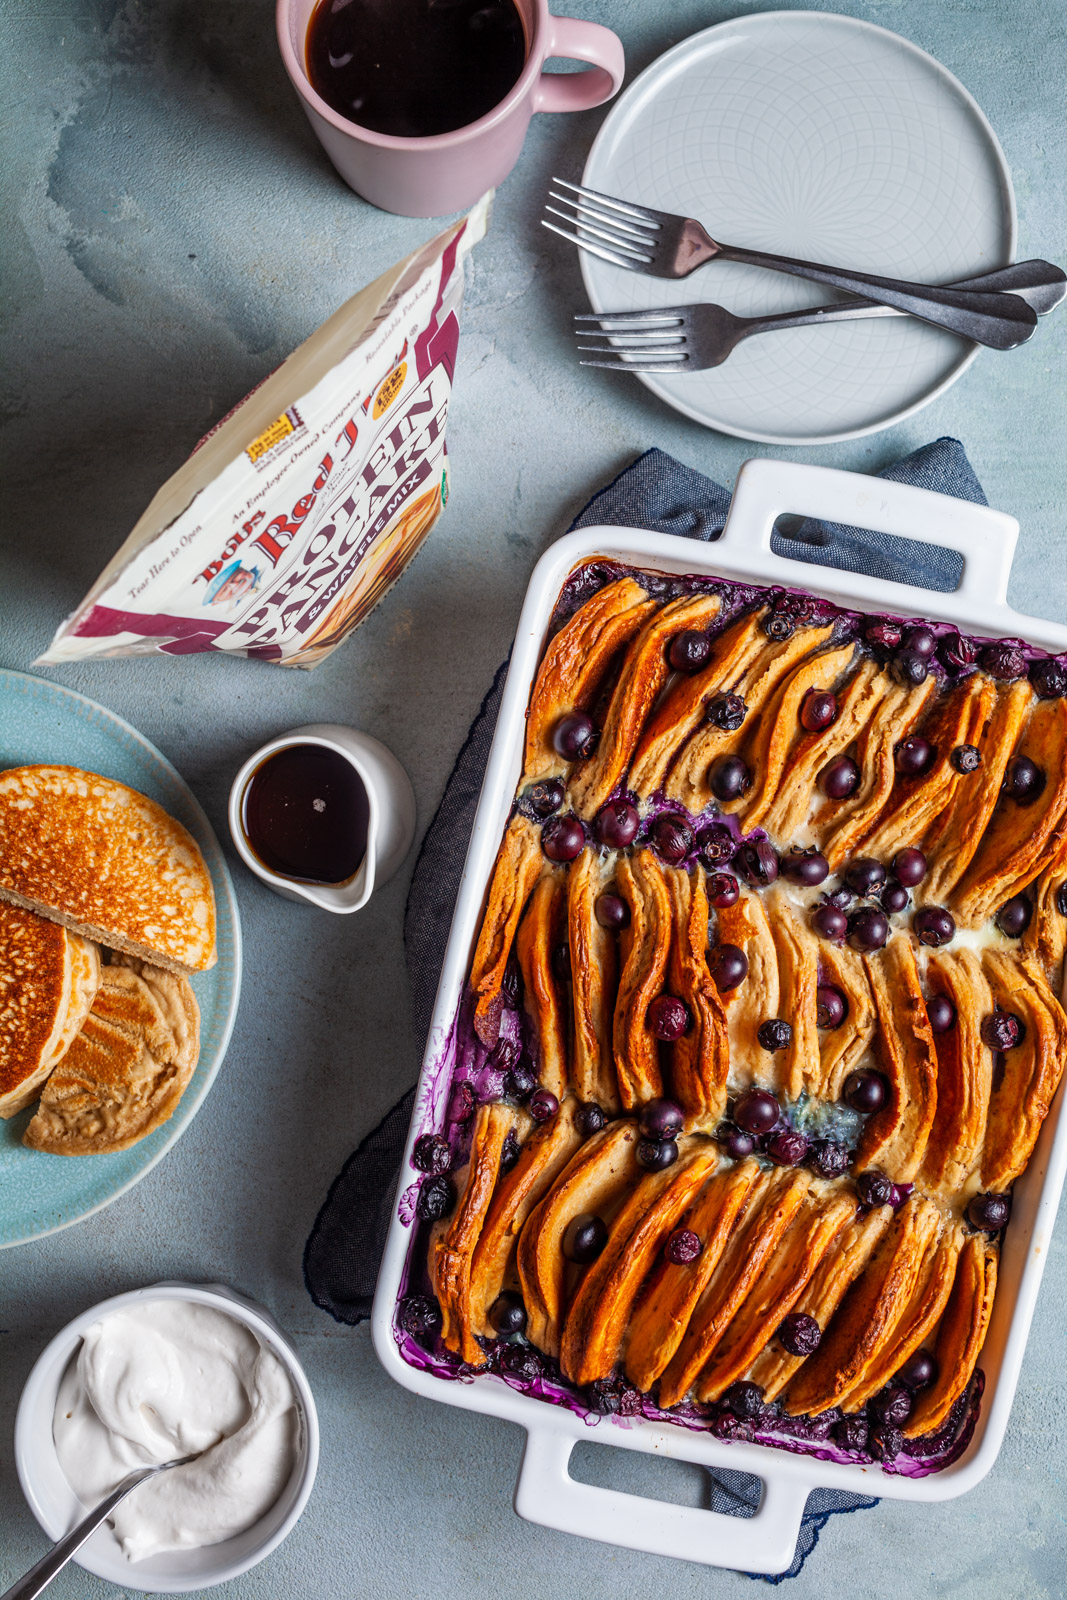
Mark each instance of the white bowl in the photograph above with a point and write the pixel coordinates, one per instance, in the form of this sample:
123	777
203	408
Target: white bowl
57	1508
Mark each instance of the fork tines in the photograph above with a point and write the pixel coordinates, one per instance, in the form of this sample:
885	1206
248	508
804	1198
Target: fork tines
622	234
635	348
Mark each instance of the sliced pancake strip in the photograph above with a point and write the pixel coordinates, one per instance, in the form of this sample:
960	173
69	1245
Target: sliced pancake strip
960	1336
48	980
540	931
594	982
1020	838
914	803
594	1182
128	1068
598	1316
453	1239
933	1285
798	952
954	836
645	945
689	781
542	1157
644	672
769	749
894	1139
756	997
673	1290
108	863
841	1048
700	1059
683	708
1046	937
519	864
575	665
964	1073
1022	1093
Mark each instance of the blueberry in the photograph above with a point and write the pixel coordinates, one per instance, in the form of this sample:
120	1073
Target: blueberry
418	1314
787	1148
864	874
934	926
912	756
672	838
775	1034
727	711
616	824
521	1081
874	1188
656	1154
989	1212
543	1105
745	1400
611	911
716	844
919	1371
562	838
689	651
545	798
827	1158
841	897
909	867
894	899
511	987
661	1119
723	890
778	625
807	867
522	1361
431	1154
1024	781
462	1104
799	1334
882	633
584	1240
507	1314
757	863
1049	678
1013	918
966	758
830	923
885	1442
831	1006
956	652
738	1144
1003	661
921	640
818	710
590	1119
941	1012
668	1018
756	1111
612	1397
865	1091
574	735
839	778
728	965
891	1404
729	778
868	929
851	1433
683	1247
561	963
437	1198
509	1152
724	1425
1061	899
909	668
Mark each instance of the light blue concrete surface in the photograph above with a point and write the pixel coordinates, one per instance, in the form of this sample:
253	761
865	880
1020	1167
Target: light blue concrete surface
171	231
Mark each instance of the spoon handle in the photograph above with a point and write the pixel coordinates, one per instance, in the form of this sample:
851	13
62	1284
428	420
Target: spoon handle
40	1576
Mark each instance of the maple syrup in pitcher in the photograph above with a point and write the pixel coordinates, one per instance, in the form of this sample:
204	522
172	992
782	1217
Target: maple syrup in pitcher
306	814
414	68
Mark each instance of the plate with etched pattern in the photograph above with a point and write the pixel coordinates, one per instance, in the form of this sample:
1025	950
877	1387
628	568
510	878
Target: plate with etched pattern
820	137
42	723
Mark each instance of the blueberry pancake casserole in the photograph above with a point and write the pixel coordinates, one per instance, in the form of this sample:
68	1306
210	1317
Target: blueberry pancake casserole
761	1026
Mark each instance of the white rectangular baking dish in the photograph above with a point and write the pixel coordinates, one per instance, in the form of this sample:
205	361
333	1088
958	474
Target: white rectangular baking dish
546	1492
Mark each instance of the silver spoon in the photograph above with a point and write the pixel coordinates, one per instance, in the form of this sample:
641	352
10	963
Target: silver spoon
39	1577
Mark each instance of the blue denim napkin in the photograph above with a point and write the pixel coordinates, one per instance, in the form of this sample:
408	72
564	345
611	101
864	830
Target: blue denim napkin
656	491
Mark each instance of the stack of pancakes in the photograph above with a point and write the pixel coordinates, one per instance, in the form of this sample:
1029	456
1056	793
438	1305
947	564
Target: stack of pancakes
106	1040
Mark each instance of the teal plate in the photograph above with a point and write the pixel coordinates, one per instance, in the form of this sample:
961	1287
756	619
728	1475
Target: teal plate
42	723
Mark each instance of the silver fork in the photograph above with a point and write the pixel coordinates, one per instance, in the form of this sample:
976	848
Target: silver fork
668	246
691	338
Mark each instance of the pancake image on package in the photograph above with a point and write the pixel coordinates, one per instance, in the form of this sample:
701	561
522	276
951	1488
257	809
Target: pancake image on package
763	1023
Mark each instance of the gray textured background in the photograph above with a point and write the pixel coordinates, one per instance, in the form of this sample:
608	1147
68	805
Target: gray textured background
171	232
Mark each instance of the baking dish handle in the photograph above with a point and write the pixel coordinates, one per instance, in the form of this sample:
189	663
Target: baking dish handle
986	539
763	1543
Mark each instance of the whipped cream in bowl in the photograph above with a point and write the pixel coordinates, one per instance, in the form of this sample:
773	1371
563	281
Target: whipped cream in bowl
165	1372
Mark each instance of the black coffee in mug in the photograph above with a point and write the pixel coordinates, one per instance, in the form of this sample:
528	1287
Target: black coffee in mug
414	68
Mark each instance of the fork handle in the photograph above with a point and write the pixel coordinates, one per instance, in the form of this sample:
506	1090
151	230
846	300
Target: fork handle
1000	321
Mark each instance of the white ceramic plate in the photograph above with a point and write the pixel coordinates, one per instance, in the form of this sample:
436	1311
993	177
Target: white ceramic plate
820	137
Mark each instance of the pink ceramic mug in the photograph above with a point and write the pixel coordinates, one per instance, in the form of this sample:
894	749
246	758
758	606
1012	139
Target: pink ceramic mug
448	172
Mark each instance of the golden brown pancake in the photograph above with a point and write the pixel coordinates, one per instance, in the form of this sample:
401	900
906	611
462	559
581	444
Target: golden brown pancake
48	978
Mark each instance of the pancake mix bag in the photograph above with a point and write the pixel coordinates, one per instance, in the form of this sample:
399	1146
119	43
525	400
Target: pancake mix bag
297	513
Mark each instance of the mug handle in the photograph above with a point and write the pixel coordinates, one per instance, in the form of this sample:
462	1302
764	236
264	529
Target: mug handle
579	91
